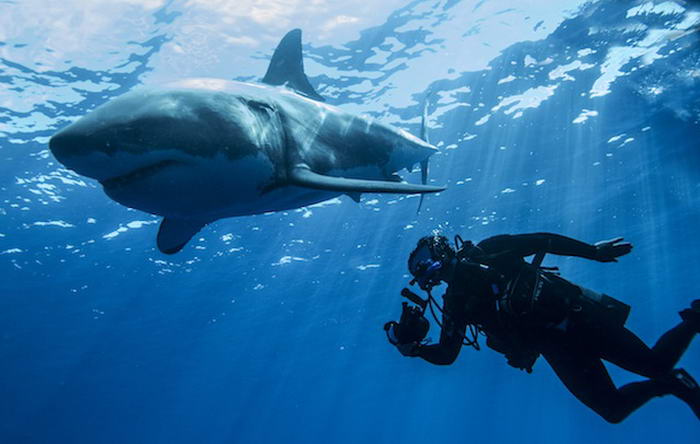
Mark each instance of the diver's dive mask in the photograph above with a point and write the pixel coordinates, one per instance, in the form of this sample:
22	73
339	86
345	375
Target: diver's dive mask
425	269
428	261
426	274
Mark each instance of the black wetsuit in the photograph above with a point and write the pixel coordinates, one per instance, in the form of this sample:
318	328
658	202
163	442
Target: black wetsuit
574	341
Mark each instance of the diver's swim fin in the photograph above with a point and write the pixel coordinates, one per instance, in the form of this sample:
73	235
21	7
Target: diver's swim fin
302	176
683	386
692	315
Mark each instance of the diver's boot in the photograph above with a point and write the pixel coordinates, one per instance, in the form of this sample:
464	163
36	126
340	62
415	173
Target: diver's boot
692	315
683	386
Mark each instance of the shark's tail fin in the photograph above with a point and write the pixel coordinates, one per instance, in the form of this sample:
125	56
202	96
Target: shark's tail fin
287	67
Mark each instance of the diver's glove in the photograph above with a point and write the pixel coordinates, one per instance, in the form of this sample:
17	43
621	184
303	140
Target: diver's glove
523	360
609	250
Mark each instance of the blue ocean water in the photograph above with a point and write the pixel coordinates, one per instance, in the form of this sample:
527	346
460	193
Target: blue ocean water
581	118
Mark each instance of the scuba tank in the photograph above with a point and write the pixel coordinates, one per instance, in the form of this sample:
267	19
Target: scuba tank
600	308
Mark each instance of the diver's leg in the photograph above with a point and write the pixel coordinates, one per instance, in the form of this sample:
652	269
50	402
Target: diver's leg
589	381
624	349
672	344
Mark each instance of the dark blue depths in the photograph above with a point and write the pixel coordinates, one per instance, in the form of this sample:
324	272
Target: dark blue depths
273	334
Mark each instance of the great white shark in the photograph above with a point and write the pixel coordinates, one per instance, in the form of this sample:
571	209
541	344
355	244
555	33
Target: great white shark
200	150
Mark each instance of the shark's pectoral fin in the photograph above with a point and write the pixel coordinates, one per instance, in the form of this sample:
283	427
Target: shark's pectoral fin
287	66
174	234
303	176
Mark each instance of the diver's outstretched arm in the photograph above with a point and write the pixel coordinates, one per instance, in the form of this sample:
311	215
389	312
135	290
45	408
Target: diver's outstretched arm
532	243
609	250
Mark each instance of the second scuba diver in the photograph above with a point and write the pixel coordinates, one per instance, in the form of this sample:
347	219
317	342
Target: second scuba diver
526	311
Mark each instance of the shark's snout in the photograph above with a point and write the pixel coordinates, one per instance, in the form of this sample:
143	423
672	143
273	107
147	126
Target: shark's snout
83	151
98	154
65	144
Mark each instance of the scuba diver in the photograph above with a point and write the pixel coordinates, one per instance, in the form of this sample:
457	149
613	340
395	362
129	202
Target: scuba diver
526	311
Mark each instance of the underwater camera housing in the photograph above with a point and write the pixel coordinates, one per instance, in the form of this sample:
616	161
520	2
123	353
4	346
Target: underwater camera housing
412	326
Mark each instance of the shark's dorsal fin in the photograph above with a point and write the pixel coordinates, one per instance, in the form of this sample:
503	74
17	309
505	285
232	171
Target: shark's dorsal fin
174	234
287	67
302	175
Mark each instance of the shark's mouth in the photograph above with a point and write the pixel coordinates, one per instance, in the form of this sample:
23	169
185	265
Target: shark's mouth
141	173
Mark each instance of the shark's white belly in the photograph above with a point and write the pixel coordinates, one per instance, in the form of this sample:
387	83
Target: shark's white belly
207	189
